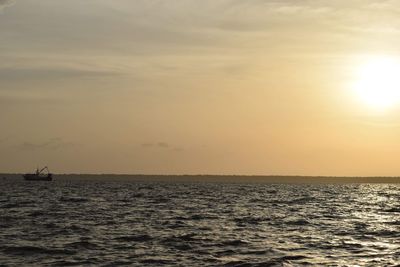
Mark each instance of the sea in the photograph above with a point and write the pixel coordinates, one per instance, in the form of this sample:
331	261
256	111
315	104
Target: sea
148	223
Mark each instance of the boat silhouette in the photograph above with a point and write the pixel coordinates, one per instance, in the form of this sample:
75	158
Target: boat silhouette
39	175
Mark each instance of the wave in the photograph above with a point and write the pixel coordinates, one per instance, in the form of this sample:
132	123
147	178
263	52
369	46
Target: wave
298	222
250	220
154	224
82	245
73	199
134	238
157	261
236	242
30	250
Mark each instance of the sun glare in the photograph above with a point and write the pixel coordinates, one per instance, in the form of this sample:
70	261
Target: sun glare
377	83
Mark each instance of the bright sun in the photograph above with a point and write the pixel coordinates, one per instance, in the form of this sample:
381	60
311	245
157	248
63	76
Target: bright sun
377	82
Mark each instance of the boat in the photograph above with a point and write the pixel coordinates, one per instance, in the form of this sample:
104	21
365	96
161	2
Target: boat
39	175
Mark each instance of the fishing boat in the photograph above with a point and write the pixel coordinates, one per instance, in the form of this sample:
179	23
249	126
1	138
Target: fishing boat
39	175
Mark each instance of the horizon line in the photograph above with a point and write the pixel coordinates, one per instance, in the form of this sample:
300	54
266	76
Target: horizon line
221	175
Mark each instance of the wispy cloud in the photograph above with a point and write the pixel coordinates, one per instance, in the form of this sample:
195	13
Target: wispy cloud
147	145
52	144
161	145
16	74
155	145
6	3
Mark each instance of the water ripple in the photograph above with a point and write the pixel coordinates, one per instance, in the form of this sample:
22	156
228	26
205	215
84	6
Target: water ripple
198	224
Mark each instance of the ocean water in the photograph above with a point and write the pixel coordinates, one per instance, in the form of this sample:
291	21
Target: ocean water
198	224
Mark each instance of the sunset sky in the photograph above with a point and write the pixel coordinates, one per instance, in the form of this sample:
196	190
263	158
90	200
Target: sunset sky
200	86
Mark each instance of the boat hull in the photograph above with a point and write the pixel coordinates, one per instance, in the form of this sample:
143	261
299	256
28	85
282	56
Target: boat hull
34	177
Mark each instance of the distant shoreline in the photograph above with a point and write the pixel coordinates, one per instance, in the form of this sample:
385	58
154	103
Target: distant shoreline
218	178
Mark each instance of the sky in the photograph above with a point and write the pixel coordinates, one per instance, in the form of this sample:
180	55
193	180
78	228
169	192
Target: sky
257	87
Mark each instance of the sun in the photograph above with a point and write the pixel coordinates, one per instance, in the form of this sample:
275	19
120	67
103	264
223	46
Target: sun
377	82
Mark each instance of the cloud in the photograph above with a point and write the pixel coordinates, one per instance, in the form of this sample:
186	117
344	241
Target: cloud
161	145
52	144
19	73
147	145
28	100
187	28
6	3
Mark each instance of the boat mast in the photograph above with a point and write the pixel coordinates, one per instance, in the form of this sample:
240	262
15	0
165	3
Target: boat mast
45	168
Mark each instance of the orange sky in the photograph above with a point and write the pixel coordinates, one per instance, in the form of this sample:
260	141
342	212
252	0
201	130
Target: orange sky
211	86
